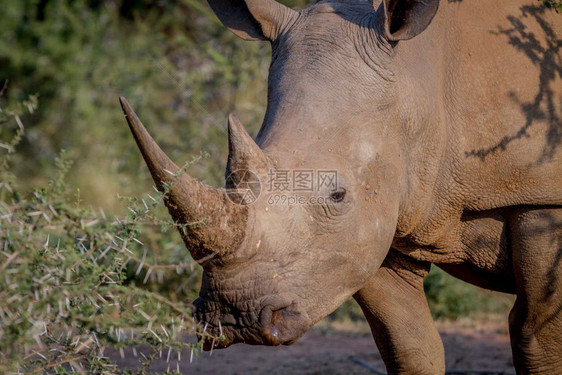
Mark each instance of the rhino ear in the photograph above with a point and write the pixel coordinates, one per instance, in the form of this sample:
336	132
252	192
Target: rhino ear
404	19
253	19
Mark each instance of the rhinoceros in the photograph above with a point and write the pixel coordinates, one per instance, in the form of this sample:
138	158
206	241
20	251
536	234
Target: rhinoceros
442	124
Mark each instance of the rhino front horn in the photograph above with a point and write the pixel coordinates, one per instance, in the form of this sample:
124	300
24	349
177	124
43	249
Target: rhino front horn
208	222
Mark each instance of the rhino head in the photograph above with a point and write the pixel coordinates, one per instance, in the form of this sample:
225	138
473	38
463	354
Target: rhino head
271	269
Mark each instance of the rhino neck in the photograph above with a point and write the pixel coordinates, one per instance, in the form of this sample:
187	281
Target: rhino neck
425	129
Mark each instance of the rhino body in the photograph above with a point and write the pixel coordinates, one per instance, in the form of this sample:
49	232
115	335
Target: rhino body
444	124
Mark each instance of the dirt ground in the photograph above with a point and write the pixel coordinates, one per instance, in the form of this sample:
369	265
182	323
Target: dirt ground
478	346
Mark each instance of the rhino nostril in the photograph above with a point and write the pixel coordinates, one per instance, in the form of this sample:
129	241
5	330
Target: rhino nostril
278	322
281	318
280	315
282	321
277	316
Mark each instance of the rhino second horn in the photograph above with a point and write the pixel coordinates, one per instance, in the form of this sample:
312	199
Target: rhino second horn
208	222
243	152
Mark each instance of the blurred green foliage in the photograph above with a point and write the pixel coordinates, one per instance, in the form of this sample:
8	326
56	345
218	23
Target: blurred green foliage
556	5
451	298
176	64
75	281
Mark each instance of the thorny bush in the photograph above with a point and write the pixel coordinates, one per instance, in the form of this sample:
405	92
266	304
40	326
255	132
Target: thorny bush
74	282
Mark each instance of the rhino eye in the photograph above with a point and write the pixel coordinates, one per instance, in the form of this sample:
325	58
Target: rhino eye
338	195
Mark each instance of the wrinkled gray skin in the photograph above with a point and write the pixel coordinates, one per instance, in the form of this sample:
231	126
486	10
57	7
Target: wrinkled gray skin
445	129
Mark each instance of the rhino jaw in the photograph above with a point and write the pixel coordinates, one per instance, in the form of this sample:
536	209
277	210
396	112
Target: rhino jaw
280	322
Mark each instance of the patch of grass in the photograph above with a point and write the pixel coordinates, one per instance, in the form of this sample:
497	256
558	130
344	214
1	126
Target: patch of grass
451	298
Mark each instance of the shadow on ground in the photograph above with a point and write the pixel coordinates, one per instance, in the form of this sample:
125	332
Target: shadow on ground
470	349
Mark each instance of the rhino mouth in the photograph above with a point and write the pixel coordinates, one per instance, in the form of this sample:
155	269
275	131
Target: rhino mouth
279	322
